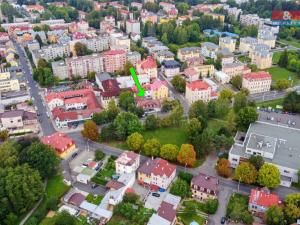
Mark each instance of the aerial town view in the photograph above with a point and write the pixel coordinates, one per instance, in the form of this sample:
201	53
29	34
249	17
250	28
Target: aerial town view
150	112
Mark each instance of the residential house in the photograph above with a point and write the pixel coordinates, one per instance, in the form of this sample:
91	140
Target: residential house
261	199
60	142
257	82
204	187
164	55
234	69
110	90
262	59
159	90
8	82
250	19
127	162
170	68
222	77
156	174
147	66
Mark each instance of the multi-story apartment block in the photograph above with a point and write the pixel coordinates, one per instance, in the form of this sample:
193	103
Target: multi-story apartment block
234	69
53	22
147	66
267	38
204	187
167	6
113	60
133	57
257	82
184	54
51	52
148	16
235	12
170	68
165	55
250	19
209	49
60	69
82	65
262	59
247	43
227	42
127	162
133	26
99	43
277	144
156	174
8	83
121	41
198	90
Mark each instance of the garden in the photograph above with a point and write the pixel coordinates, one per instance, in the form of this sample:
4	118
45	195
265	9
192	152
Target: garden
105	174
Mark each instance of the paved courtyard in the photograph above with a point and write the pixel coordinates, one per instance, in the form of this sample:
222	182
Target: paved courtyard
82	157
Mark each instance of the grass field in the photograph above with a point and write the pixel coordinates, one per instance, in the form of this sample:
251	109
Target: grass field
94	199
216	124
276	56
187	218
171	135
55	189
272	103
279	73
293	42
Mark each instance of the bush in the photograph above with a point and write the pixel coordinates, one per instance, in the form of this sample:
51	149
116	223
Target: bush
180	188
51	204
99	155
211	206
185	176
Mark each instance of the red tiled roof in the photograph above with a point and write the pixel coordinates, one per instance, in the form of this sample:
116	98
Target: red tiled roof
189	72
114	184
59	141
127	158
110	88
76	199
157	84
148	63
261	75
263	198
157	166
76	100
198	85
166	211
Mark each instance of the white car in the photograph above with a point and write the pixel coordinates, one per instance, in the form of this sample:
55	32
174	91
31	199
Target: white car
67	182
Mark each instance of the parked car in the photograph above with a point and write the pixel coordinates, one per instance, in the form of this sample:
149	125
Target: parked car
67	182
95	185
155	194
223	220
74	155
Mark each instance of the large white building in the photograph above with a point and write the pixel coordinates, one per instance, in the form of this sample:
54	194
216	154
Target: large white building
250	19
227	42
198	90
133	26
262	58
209	50
277	144
257	82
247	43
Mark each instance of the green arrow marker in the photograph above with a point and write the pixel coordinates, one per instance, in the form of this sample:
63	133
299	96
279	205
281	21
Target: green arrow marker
141	91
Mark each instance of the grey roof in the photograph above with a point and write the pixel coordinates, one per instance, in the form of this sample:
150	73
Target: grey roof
225	52
263	53
15	113
285	140
171	63
209	45
249	40
165	53
190	49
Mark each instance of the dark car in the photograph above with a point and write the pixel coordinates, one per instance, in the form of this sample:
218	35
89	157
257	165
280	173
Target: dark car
74	155
94	185
155	194
223	220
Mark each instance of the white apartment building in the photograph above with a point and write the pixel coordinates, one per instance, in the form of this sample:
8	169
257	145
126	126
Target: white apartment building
257	82
133	57
184	54
8	83
209	50
278	145
198	90
235	12
267	38
227	42
80	66
133	26
234	69
250	19
127	162
51	52
53	22
60	69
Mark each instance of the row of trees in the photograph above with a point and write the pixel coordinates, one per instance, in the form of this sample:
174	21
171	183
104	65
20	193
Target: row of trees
23	166
67	13
291	102
186	155
43	74
290	60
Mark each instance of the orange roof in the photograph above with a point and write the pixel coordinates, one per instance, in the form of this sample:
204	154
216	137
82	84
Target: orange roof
157	84
263	198
198	85
59	141
76	100
114	52
261	75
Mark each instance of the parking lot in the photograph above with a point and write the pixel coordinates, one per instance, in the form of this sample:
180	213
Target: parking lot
280	118
82	157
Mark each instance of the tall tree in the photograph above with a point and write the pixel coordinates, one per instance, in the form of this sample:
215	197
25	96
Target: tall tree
180	188
90	130
41	157
135	141
9	155
187	155
81	49
151	122
284	59
269	176
275	216
257	161
179	83
169	152
152	147
245	117
246	173
198	108
126	99
223	167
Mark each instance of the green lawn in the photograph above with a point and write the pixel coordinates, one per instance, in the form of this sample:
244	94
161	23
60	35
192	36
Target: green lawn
94	199
105	174
170	135
216	124
80	221
272	103
55	189
279	73
293	42
276	56
187	218
244	59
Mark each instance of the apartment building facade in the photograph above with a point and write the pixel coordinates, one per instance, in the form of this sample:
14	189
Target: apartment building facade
257	82
198	90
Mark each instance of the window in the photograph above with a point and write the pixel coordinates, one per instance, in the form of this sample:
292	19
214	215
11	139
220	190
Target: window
234	159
